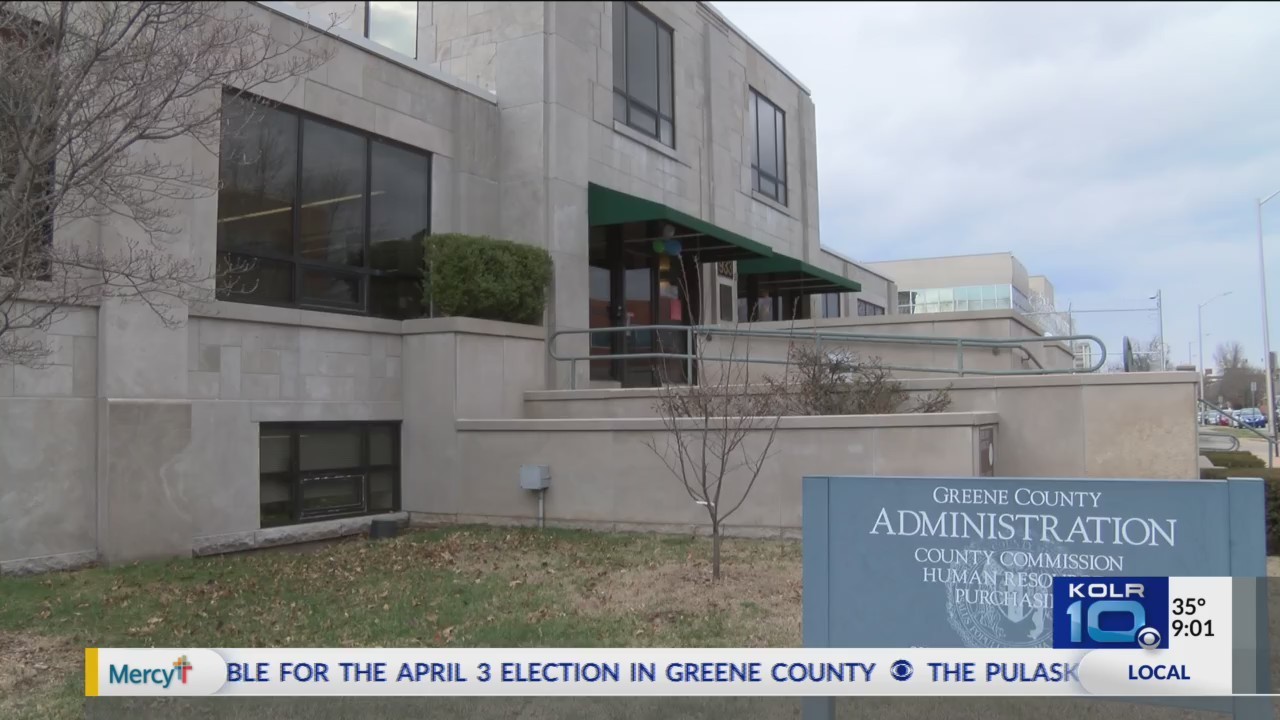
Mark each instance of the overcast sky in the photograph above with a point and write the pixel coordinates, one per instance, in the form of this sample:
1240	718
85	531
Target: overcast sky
1116	148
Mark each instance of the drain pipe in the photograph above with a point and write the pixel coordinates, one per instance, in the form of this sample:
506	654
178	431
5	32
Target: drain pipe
537	478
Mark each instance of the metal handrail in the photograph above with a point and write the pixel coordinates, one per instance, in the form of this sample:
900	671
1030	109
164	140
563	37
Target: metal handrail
690	331
1271	450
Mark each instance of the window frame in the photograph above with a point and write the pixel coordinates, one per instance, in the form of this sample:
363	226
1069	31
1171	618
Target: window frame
827	299
296	476
298	263
620	55
780	194
417	14
869	309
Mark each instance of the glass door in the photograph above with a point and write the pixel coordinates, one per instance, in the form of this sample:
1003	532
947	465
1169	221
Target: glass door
631	285
637	303
601	261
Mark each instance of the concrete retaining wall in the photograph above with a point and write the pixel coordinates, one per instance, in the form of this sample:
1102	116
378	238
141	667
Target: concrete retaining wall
603	474
1113	425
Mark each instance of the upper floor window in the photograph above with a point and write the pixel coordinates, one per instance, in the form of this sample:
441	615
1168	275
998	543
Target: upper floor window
642	75
865	309
393	25
768	149
319	215
831	305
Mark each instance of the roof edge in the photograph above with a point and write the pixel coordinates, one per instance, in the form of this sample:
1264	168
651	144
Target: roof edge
720	17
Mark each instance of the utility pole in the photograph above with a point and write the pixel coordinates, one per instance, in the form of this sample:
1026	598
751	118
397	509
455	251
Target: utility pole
1266	333
1200	333
1164	363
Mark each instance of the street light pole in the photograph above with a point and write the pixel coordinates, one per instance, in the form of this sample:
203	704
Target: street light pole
1266	330
1164	363
1200	334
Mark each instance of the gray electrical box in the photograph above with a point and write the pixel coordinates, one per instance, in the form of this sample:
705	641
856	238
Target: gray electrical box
535	477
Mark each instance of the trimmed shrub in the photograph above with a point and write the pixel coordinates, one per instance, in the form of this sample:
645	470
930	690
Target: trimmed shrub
1234	459
483	277
1272	478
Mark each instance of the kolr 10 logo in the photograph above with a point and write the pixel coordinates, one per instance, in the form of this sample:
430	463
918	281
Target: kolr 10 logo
1115	612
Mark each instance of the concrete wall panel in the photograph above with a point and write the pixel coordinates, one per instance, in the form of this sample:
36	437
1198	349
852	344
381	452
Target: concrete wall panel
47	464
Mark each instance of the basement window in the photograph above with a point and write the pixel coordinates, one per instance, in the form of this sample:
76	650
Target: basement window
318	471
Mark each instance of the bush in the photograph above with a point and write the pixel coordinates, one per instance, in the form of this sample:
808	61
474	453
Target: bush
482	277
838	382
1234	459
1272	478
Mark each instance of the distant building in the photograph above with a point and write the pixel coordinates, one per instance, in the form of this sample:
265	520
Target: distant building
960	283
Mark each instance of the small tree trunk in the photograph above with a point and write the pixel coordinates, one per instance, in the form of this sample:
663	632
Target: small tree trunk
715	551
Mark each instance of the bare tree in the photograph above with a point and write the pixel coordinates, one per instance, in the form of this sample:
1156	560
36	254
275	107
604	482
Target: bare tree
89	94
1230	356
719	431
1147	357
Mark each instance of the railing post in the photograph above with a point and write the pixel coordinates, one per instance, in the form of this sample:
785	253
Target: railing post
573	374
960	356
688	359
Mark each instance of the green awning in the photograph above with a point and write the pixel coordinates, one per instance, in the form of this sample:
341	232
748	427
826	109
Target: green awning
610	207
787	273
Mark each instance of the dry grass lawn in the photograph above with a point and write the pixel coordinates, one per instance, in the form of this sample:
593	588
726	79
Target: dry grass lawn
460	587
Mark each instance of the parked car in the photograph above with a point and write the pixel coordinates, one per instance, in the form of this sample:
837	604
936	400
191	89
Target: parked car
1210	417
1250	417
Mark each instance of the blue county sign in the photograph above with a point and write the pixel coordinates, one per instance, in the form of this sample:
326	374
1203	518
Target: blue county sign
969	562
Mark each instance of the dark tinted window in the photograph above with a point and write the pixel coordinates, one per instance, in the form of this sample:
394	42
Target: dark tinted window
401	202
769	149
727	302
644	96
258	179
313	214
333	194
315	471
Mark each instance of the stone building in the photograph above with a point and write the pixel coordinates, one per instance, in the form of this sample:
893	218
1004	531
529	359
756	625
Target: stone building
586	128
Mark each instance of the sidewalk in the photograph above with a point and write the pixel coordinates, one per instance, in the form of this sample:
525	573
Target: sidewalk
1255	446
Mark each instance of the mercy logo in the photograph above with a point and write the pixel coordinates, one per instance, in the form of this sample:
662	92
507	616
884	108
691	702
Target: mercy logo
164	677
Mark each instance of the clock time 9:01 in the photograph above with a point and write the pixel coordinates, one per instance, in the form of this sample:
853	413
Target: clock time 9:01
1192	628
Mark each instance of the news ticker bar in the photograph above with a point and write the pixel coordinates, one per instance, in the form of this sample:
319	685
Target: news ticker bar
1201	653
653	672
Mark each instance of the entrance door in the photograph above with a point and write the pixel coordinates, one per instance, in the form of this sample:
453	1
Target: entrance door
632	285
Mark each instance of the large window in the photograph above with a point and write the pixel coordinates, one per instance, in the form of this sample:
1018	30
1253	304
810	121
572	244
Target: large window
867	309
317	471
313	214
642	75
768	149
959	299
393	25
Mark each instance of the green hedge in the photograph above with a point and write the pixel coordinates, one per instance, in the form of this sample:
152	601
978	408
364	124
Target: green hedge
1272	478
483	277
1234	459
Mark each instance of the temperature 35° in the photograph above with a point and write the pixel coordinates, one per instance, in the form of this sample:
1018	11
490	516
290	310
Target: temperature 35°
1187	606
